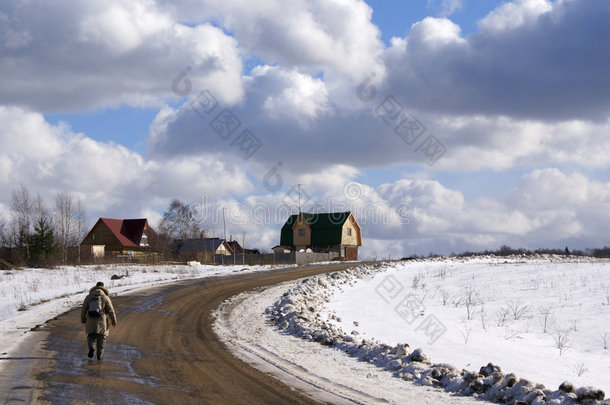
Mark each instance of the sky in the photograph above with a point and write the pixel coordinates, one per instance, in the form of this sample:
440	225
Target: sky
443	125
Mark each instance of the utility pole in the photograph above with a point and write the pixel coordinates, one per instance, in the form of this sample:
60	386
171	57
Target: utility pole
299	186
224	223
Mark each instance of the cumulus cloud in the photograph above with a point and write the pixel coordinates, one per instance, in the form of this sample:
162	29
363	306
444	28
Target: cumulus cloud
497	99
68	56
514	14
108	177
313	35
444	8
299	121
531	59
548	208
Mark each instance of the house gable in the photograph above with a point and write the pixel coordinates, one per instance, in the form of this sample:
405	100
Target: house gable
101	234
301	231
351	234
120	234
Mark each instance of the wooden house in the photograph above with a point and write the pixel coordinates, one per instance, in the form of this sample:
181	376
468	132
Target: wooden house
203	249
120	236
325	232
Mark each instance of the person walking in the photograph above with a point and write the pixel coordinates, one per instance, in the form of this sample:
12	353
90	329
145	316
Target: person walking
97	313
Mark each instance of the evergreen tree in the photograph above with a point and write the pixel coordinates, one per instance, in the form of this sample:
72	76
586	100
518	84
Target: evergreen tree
41	242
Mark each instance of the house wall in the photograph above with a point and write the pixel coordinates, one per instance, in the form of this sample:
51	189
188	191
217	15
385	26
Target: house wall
222	250
345	238
101	235
145	240
301	240
86	253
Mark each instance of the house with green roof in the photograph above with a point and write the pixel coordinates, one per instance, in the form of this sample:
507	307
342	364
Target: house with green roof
335	232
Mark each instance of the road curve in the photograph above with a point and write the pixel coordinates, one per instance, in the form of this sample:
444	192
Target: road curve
164	351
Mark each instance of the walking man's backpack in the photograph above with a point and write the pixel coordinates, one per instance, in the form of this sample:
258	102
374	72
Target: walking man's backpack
95	307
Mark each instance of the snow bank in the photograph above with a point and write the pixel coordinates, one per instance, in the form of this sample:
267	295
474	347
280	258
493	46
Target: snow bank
327	375
301	311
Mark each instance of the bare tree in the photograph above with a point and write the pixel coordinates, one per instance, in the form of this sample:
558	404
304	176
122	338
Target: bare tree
3	236
63	220
80	217
40	211
466	334
518	309
547	319
179	223
562	340
471	299
69	221
502	315
579	368
21	222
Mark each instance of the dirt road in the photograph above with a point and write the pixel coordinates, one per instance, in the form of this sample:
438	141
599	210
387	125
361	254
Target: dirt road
164	351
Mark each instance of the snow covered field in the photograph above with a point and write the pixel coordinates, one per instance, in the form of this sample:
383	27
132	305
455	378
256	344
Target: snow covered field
546	320
29	297
327	374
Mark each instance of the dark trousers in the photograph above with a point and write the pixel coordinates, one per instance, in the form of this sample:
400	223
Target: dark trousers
99	340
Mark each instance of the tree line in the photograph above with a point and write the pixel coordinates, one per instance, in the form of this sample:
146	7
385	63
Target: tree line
506	250
36	234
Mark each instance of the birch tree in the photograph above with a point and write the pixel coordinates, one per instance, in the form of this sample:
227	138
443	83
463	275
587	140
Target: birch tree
69	218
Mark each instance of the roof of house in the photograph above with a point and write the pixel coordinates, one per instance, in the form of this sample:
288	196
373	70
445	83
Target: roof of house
128	231
236	247
326	228
201	245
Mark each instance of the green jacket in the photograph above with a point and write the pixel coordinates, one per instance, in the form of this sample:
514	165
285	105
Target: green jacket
100	324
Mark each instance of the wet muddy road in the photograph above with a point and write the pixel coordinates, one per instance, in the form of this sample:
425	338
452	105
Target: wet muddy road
164	351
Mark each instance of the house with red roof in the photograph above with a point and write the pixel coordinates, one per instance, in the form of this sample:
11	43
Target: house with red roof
121	236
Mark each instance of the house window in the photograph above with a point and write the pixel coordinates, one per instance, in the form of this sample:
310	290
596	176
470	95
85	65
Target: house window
144	240
301	233
349	231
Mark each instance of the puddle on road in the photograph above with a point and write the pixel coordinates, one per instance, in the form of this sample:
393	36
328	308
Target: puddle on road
77	379
67	393
151	304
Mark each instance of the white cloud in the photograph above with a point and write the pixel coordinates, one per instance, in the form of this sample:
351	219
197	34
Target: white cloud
121	27
68	56
444	8
300	97
499	142
433	33
109	178
302	123
514	14
313	35
488	108
517	65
